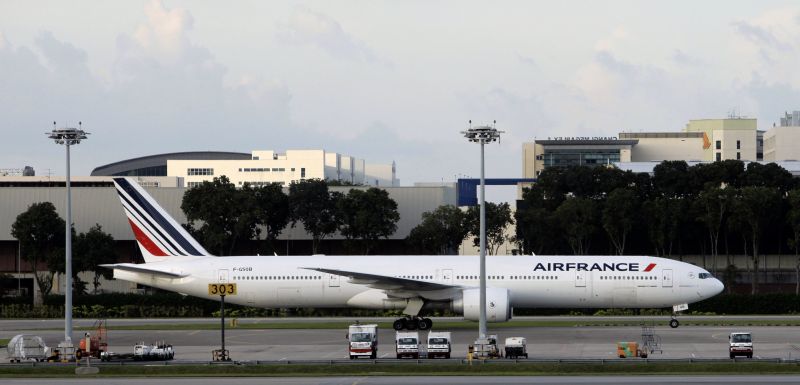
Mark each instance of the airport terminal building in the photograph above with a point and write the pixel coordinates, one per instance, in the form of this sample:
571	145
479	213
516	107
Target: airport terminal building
257	168
701	140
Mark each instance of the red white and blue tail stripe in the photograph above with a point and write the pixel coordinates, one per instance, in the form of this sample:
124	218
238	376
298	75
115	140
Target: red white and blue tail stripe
158	234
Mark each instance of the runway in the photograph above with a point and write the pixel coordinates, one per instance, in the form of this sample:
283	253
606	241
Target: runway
330	344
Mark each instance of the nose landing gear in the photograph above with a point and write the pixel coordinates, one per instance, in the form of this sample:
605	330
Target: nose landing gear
673	323
412	323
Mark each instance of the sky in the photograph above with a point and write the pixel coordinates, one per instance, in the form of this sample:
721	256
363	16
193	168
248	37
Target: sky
380	80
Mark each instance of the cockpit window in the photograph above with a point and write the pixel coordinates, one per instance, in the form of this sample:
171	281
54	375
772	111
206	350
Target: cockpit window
704	275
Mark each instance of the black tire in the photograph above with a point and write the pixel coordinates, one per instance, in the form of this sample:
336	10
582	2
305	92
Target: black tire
673	323
424	323
412	324
399	324
750	355
733	356
399	356
447	356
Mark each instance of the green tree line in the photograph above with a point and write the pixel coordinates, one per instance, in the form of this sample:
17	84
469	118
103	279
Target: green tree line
221	216
714	209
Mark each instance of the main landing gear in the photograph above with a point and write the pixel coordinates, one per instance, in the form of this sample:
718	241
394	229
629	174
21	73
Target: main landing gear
412	323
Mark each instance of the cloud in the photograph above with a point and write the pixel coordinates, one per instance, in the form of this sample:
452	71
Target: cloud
526	60
306	27
165	31
759	35
684	59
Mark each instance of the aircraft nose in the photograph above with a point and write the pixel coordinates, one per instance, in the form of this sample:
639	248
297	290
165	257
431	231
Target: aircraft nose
717	287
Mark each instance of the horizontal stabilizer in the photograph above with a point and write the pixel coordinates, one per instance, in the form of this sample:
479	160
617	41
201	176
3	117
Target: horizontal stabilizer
142	268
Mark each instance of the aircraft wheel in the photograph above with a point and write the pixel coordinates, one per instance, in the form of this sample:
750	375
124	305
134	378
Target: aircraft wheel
399	324
424	323
673	323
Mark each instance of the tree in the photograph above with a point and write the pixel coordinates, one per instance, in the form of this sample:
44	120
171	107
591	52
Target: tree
713	205
756	207
312	203
441	231
498	218
40	232
224	213
577	219
272	210
671	179
367	215
534	221
94	248
793	218
664	222
768	175
619	216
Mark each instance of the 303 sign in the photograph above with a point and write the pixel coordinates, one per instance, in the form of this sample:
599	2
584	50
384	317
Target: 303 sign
221	289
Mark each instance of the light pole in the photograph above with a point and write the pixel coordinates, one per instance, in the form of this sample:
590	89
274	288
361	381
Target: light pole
482	135
68	137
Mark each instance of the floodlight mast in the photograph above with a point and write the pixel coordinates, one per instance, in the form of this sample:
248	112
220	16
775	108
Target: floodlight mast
68	137
482	135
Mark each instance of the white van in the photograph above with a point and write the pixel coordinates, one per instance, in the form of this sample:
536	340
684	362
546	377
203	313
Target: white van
439	344
407	344
741	344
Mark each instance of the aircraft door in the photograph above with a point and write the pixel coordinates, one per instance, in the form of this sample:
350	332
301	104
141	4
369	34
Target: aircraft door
580	279
447	276
666	278
222	275
333	280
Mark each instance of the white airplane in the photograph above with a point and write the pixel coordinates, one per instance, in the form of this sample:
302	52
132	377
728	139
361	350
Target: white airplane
174	261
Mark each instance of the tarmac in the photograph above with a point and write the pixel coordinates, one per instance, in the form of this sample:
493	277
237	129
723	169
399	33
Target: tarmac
331	344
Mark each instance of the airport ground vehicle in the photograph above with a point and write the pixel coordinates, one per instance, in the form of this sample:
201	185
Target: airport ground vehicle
740	344
159	351
516	347
630	349
439	344
94	344
407	344
485	347
362	341
26	347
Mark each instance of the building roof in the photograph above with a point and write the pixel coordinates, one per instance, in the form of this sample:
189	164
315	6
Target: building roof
161	160
634	135
587	142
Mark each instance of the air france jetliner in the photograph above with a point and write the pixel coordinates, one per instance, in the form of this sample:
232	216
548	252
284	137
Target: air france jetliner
176	262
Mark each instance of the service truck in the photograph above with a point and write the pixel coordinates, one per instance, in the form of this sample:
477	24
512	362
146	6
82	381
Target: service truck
407	344
439	344
516	347
363	341
741	344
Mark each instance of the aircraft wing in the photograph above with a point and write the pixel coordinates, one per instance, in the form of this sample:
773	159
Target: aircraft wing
142	268
384	282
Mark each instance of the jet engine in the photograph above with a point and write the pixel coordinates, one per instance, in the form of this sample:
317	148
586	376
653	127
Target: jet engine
498	307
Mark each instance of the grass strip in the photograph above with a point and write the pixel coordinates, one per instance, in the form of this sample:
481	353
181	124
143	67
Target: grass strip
371	369
4	341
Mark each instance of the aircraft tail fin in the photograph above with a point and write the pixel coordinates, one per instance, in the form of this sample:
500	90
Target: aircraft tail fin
159	236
